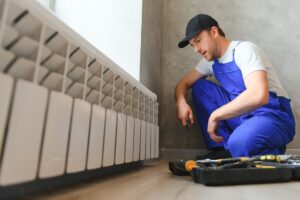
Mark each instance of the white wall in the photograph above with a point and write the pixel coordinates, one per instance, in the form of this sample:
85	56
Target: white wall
112	26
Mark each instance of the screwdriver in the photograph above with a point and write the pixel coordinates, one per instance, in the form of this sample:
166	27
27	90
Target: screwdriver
223	161
190	164
187	124
274	158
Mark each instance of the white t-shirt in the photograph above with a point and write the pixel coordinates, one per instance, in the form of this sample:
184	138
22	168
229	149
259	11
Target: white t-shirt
249	58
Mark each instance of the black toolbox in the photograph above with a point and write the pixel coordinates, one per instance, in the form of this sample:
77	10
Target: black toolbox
239	170
241	175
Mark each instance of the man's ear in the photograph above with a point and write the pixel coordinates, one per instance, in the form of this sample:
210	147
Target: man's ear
215	31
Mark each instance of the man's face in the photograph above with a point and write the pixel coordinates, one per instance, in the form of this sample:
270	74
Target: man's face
205	44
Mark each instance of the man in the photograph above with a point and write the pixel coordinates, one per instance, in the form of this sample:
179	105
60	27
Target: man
249	113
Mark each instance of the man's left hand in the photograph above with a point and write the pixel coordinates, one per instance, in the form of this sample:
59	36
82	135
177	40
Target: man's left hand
212	128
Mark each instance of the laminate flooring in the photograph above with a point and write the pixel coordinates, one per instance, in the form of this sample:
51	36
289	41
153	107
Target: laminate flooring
154	181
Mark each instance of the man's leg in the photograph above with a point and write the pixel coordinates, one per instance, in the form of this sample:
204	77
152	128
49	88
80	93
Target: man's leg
207	97
262	134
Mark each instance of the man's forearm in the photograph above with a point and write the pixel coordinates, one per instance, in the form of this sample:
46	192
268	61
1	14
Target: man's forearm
256	95
244	103
180	92
185	84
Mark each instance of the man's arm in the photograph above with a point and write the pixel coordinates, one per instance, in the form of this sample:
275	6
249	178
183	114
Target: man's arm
255	95
183	109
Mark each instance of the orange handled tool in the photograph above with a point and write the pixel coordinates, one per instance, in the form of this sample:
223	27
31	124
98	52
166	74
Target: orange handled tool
190	164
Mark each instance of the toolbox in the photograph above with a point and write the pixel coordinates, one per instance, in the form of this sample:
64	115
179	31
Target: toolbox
240	170
240	175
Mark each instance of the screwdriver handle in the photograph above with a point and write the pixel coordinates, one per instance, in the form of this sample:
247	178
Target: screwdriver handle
188	123
190	164
232	160
275	158
267	158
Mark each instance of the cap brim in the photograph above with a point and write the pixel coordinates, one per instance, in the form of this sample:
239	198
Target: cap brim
185	41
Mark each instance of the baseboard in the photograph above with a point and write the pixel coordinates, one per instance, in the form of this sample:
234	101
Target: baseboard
186	154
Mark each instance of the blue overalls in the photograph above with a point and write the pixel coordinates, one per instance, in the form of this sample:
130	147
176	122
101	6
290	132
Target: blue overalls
267	130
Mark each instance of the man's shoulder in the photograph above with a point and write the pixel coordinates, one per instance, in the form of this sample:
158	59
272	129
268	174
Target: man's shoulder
246	46
249	56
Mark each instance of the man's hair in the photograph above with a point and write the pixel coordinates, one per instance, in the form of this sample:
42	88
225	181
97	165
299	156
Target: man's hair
221	32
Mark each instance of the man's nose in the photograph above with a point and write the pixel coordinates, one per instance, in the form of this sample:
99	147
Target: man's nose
197	49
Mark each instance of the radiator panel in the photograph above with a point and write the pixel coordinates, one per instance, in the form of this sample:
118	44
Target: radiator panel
6	89
96	137
22	147
137	139
109	138
121	139
79	136
129	139
143	140
54	149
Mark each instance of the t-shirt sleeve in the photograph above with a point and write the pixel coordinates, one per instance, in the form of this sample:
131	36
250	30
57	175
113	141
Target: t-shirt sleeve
249	57
204	67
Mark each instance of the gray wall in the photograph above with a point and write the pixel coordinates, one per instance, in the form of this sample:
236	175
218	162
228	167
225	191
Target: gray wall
151	46
272	24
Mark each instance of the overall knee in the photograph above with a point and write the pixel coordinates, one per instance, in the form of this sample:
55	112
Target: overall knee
241	146
200	86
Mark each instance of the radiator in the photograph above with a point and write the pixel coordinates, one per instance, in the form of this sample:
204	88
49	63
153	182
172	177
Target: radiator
65	107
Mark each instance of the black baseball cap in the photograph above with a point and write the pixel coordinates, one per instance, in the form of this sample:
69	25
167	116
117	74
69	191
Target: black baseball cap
197	24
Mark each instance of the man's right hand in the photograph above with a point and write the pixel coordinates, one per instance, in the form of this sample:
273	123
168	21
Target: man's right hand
184	112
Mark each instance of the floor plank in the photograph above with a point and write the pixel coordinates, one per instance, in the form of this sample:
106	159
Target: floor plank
154	181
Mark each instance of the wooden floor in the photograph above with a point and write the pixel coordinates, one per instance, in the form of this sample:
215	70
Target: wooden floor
154	181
